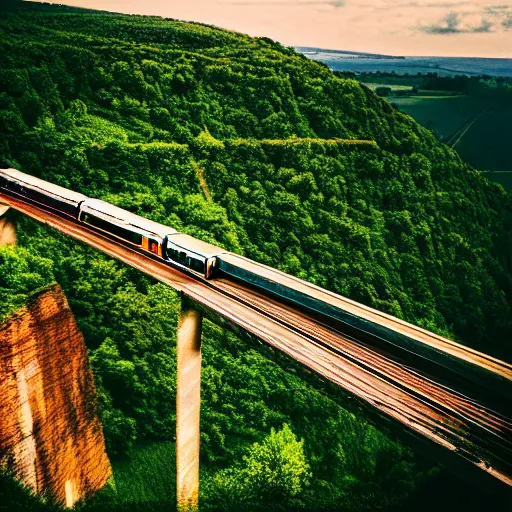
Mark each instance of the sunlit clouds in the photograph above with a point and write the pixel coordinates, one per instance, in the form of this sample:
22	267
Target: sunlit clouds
398	27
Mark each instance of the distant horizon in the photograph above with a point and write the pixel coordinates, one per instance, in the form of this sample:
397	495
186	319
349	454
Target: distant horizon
451	28
344	50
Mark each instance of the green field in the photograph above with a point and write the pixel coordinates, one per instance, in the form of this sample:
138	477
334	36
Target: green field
444	115
393	87
486	143
477	125
144	481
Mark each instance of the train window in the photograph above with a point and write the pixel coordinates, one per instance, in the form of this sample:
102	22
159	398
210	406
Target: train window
188	259
153	246
114	229
173	254
196	264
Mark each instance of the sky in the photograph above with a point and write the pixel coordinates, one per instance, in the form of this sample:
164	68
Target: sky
463	28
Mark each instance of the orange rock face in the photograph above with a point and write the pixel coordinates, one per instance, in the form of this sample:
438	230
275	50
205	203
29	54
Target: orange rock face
7	228
50	432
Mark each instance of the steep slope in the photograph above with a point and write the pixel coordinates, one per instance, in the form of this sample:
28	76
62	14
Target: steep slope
244	143
50	434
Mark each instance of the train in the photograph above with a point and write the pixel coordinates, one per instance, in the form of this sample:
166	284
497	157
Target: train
182	250
211	262
159	240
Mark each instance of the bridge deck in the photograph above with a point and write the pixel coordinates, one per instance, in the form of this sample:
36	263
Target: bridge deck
472	437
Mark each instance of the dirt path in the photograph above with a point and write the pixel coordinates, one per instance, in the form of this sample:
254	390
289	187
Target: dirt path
202	181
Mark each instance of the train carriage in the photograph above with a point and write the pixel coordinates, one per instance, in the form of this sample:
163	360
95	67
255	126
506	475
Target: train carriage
35	190
125	225
193	253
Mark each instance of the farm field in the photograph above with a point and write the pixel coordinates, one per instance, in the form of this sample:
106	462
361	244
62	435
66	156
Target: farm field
444	115
486	143
393	87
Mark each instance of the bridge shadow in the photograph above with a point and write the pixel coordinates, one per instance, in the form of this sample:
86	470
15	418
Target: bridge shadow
445	492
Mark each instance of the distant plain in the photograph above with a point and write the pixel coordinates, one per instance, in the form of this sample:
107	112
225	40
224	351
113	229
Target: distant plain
477	127
443	66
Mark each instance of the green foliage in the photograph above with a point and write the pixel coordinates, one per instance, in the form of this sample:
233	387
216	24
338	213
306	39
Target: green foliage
15	497
275	470
22	274
383	91
272	475
245	144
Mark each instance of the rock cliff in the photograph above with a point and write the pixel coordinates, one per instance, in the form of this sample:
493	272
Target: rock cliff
50	433
7	228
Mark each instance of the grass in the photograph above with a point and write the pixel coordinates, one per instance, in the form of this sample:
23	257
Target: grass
444	115
149	475
145	482
388	81
485	145
433	93
393	87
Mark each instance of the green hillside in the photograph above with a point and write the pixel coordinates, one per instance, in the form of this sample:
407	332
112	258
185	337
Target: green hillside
244	143
470	114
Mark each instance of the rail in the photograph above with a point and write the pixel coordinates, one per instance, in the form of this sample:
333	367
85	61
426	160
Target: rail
463	423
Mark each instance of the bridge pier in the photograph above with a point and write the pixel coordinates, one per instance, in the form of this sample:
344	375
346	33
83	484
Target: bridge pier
7	228
188	402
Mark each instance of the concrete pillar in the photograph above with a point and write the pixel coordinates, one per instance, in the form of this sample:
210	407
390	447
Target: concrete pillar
188	402
7	228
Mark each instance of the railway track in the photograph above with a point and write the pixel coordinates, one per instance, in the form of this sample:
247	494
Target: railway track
453	419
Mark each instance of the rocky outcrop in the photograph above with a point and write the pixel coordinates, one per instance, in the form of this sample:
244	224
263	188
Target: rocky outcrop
50	433
7	228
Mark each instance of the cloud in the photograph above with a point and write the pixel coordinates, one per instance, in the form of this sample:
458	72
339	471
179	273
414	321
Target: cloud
449	25
444	5
453	23
498	8
485	26
502	14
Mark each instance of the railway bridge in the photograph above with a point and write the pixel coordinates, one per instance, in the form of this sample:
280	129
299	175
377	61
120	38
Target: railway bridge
452	402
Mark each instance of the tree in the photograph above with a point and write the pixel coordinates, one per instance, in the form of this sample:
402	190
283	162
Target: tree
9	5
272	476
276	469
383	91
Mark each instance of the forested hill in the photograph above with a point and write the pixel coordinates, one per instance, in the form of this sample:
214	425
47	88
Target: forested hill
245	143
131	105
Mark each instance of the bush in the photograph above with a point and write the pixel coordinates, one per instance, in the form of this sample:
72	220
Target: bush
383	91
272	476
